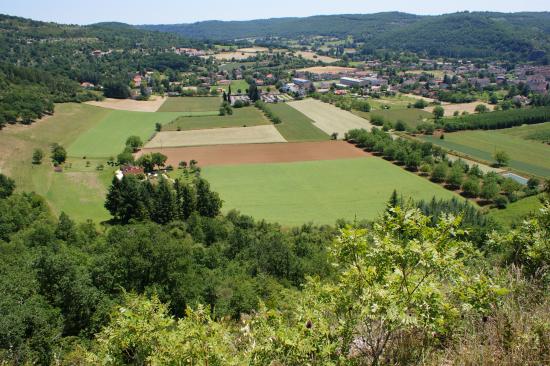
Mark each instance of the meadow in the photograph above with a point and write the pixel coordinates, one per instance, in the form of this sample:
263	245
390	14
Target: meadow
236	85
526	156
80	189
191	104
107	137
296	126
249	116
516	211
537	132
316	191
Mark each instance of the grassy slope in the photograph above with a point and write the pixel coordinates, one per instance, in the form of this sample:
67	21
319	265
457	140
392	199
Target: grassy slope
107	138
191	104
319	191
529	131
515	211
411	116
235	86
249	116
80	190
526	156
296	126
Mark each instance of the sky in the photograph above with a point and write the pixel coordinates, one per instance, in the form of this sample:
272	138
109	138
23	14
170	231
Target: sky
189	11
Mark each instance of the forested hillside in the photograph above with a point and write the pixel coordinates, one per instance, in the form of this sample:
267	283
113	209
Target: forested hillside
67	49
517	36
337	25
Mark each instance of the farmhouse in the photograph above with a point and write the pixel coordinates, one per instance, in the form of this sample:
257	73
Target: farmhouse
353	82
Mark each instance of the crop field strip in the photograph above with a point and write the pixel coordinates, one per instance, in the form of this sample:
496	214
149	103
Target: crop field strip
259	153
526	156
295	125
191	104
217	136
247	116
328	118
107	138
317	191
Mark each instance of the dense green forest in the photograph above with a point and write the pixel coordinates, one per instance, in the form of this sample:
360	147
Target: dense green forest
26	94
197	287
513	36
67	49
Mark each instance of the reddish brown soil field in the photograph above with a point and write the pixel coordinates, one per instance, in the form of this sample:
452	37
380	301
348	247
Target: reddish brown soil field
259	153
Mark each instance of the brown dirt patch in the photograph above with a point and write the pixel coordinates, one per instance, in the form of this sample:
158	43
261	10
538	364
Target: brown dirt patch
260	153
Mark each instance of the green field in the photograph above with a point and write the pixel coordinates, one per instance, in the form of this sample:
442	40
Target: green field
537	132
107	138
79	190
516	211
526	156
249	116
411	116
296	126
191	104
318	191
235	86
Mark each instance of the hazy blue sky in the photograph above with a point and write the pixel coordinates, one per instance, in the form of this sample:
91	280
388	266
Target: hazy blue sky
186	11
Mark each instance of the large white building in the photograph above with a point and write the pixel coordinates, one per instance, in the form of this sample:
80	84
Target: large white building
353	82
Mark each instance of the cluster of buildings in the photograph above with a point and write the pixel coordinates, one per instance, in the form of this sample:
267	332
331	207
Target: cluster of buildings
188	51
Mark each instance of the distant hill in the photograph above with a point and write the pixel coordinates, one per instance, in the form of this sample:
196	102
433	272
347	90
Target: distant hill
340	25
66	49
517	36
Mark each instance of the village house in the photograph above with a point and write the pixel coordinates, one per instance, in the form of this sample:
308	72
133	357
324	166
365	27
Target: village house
537	84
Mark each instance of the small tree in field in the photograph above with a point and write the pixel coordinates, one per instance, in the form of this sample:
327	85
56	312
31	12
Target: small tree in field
59	154
438	112
37	156
501	157
134	143
471	187
481	108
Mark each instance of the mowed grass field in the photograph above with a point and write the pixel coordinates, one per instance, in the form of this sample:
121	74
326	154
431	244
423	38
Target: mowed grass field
516	211
316	191
107	137
537	132
296	126
79	190
246	116
411	116
526	156
191	104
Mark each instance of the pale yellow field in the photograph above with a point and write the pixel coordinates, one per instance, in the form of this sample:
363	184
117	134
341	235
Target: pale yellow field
253	49
315	57
328	69
462	107
151	105
228	56
217	136
329	118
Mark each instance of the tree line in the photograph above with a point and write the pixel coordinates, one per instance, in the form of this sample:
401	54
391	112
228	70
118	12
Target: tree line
497	119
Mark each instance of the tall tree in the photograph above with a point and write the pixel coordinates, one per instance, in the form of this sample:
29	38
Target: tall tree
208	203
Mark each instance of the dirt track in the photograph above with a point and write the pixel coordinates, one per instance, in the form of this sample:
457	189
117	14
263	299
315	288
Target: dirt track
260	153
